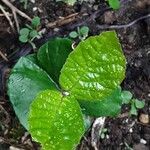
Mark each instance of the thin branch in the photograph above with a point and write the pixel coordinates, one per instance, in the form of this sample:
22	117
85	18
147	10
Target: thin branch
16	10
104	27
8	14
63	21
7	17
3	56
16	21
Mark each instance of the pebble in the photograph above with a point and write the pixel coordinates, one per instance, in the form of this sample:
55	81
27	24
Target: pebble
32	1
144	118
143	141
35	8
130	130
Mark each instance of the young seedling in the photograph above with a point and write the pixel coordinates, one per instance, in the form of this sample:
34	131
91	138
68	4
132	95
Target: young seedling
51	90
134	103
29	33
81	33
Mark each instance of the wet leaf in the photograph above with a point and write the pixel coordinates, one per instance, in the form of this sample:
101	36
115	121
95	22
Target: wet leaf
57	123
25	81
53	54
109	106
94	69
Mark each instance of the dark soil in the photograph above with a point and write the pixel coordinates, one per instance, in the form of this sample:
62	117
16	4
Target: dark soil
124	132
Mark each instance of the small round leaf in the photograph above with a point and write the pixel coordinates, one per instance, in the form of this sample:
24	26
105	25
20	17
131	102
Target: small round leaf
139	104
73	34
23	38
35	22
24	31
84	30
33	33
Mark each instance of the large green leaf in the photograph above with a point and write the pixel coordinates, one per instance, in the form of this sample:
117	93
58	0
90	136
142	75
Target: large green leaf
109	106
25	81
53	54
94	69
57	123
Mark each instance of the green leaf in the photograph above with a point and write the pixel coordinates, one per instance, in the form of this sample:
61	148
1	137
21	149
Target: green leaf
115	4
94	69
25	81
53	54
133	110
139	104
109	106
33	33
35	22
84	30
24	31
23	38
126	97
57	123
73	34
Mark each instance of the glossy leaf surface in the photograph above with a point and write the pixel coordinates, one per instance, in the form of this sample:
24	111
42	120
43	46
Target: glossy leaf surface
25	81
53	54
95	68
109	106
57	123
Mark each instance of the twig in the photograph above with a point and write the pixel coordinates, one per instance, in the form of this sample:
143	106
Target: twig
3	56
103	27
96	131
62	21
16	21
2	15
7	17
16	10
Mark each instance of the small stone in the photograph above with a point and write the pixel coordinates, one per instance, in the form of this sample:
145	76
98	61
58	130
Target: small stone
143	141
131	130
35	8
32	1
144	118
